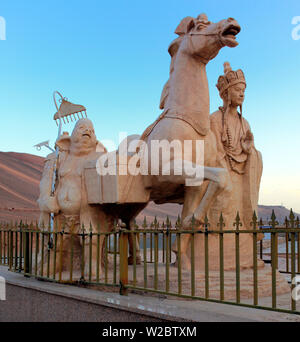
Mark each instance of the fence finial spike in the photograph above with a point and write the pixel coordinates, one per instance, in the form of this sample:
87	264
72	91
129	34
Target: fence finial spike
145	225
292	215
178	223
237	222
206	220
221	217
155	223
273	216
221	222
273	221
254	220
193	222
168	223
254	217
83	228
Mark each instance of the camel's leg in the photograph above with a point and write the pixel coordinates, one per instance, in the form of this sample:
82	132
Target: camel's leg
192	199
133	240
197	200
128	216
212	191
218	178
182	171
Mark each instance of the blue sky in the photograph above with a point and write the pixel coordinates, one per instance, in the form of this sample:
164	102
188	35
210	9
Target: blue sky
112	57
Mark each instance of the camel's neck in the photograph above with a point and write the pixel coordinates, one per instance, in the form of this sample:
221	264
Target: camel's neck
188	86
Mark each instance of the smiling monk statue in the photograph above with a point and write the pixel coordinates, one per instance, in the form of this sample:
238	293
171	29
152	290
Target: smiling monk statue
69	203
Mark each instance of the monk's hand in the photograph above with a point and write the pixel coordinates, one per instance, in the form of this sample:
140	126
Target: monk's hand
247	142
53	205
49	204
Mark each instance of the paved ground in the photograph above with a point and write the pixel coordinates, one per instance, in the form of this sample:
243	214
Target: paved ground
115	307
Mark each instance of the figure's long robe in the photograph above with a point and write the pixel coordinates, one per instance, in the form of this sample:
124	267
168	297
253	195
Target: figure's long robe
245	170
241	195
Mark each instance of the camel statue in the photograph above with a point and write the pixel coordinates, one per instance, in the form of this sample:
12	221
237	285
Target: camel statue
185	101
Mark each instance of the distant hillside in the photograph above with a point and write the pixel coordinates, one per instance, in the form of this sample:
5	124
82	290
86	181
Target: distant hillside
20	175
172	210
265	212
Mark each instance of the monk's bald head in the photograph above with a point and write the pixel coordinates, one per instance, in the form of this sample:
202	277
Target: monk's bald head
83	138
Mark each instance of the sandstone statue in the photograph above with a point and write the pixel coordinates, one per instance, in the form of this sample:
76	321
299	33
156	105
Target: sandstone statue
69	203
229	165
186	116
237	154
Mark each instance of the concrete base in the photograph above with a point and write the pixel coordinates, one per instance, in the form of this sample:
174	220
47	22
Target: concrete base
30	300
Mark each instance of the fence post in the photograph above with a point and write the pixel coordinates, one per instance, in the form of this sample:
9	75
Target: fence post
261	241
11	246
273	223
26	252
237	225
123	262
287	223
293	257
1	263
255	276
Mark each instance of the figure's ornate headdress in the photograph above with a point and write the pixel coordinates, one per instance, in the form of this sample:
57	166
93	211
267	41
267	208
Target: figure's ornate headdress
229	78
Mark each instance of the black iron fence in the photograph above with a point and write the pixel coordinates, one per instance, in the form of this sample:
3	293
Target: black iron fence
206	263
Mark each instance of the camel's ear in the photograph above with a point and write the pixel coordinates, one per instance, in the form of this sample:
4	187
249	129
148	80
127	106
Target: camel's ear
185	26
64	142
174	46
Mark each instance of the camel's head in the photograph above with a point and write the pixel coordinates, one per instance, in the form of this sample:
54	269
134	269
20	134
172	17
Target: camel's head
202	38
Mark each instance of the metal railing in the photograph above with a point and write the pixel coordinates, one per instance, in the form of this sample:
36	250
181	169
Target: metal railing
95	257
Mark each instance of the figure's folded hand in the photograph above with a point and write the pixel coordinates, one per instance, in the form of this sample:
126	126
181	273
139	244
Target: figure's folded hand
247	142
49	204
249	137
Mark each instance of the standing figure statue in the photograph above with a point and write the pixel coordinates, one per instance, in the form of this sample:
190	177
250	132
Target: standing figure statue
236	153
69	203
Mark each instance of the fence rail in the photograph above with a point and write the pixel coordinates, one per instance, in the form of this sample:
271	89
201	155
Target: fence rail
158	259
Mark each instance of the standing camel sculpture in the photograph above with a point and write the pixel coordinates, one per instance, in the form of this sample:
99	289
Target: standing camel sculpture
185	101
